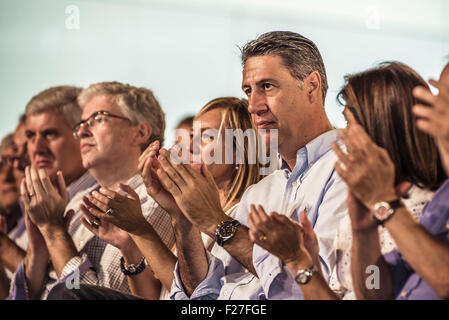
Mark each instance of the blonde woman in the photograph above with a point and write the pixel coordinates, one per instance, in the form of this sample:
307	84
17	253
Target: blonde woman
127	222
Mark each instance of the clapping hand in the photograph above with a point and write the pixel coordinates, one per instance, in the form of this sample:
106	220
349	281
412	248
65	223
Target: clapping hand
284	237
44	203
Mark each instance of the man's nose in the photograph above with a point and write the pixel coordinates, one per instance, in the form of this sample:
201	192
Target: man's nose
39	145
257	104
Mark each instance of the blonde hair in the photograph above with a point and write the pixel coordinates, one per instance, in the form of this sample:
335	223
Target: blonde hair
138	104
235	115
61	98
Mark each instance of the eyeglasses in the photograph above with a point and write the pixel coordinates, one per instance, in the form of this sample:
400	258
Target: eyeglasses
8	161
99	117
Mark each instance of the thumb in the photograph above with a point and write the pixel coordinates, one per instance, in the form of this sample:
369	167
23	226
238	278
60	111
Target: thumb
305	222
307	227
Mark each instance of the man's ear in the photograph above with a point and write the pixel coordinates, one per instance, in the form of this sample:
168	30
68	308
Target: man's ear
312	85
143	134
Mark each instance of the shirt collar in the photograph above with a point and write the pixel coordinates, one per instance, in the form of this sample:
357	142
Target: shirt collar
312	151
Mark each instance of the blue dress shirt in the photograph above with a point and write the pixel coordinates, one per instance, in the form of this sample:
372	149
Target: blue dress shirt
312	185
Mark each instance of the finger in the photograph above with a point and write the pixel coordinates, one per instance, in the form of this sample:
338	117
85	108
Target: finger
350	117
342	156
37	185
443	89
167	183
89	226
94	202
422	111
255	216
362	139
150	179
130	191
424	94
95	212
24	193
280	218
46	183
170	169
110	195
348	140
29	184
251	222
342	171
253	236
306	224
154	146
62	186
427	127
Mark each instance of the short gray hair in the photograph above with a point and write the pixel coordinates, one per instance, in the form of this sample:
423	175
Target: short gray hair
299	54
61	98
138	104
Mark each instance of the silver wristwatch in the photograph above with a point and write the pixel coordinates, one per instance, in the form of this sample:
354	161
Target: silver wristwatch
303	276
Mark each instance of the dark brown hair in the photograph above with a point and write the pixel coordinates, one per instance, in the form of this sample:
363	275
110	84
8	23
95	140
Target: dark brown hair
299	54
381	100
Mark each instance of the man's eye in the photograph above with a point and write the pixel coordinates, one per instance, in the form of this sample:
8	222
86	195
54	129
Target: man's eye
247	92
100	119
267	86
50	135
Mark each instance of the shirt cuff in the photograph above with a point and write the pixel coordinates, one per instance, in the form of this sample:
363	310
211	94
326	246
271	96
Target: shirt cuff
208	289
276	280
19	288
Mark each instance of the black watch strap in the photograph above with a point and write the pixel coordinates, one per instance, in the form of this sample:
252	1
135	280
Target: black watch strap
132	269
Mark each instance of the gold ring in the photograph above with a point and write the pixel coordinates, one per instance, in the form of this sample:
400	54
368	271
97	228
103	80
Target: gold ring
31	195
263	237
95	224
110	212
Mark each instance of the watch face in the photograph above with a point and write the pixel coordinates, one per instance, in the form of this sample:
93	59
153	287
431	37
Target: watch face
382	212
131	268
303	277
226	230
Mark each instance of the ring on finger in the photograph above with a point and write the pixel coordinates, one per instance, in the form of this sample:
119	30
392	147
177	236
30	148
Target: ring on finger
263	237
95	224
110	212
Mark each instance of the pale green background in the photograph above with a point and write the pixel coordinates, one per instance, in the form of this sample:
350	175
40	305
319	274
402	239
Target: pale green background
186	50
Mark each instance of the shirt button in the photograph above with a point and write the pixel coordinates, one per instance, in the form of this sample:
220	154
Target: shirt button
294	183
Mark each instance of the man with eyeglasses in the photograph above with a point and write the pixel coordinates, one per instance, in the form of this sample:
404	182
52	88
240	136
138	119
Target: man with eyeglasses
118	123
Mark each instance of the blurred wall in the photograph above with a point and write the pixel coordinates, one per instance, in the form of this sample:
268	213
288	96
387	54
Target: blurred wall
187	52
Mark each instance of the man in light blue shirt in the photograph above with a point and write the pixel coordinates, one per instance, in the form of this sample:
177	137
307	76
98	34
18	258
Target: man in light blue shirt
285	81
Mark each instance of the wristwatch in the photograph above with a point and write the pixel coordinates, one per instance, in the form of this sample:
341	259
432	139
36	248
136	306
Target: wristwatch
304	276
384	210
225	231
132	269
